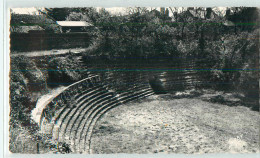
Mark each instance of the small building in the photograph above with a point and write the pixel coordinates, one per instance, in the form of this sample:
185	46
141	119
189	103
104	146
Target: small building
73	26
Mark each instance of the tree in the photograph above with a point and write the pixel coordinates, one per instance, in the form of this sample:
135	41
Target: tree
75	16
61	14
245	18
58	14
90	12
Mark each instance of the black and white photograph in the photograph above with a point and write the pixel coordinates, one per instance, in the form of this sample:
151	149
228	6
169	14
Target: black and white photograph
134	80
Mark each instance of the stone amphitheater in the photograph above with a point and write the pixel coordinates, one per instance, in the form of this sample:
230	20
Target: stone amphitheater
71	116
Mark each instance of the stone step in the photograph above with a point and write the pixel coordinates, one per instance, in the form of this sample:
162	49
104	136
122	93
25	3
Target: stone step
80	95
83	114
66	96
87	120
98	114
95	90
63	117
74	112
133	88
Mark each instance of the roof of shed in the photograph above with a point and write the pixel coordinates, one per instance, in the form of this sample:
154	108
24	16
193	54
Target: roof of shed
74	23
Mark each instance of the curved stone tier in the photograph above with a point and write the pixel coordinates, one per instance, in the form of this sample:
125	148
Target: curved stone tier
71	116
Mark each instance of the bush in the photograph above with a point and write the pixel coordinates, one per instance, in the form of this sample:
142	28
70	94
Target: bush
249	86
64	70
33	76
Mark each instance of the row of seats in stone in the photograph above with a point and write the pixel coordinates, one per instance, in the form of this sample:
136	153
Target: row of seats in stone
83	135
77	97
138	95
155	64
88	126
125	80
70	127
64	99
83	95
61	99
181	86
187	79
184	74
86	101
80	99
105	98
121	68
171	79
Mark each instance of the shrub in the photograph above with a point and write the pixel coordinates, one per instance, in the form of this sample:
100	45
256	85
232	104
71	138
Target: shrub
32	75
63	70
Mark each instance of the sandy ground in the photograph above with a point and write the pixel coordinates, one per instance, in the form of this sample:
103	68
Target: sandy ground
161	124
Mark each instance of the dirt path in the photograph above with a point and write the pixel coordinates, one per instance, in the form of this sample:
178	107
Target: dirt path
50	52
162	125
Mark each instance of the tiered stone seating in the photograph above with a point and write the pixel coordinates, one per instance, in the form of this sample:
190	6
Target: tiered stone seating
85	134
72	115
67	115
59	104
185	77
86	131
68	111
82	114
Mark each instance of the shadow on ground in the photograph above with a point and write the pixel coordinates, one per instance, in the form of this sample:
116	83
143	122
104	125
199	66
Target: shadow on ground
231	99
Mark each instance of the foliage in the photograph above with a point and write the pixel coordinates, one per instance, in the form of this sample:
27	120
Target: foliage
20	20
19	100
227	52
24	77
34	77
74	16
197	33
62	14
56	146
245	18
21	140
58	14
63	70
187	48
228	55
